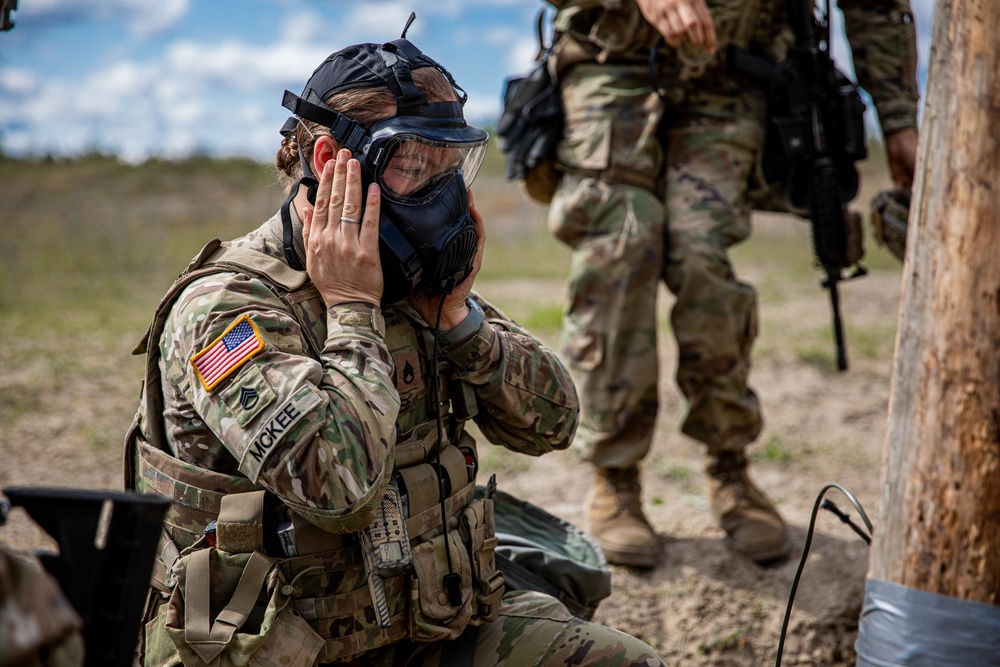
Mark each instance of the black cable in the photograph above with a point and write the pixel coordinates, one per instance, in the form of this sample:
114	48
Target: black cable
452	581
829	505
805	555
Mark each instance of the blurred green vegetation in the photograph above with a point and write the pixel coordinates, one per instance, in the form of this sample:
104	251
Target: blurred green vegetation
89	246
83	237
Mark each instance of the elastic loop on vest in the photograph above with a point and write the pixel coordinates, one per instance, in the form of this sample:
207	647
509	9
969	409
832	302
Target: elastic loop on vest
162	577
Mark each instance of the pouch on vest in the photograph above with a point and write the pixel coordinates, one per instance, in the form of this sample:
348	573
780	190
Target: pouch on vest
231	609
540	552
470	549
530	127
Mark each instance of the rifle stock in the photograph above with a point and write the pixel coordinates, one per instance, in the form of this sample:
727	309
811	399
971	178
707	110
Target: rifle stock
107	584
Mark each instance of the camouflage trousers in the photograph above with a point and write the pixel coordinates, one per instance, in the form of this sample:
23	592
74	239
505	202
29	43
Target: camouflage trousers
533	630
626	239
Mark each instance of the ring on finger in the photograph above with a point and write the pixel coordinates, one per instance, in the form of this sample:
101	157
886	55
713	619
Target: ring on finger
346	219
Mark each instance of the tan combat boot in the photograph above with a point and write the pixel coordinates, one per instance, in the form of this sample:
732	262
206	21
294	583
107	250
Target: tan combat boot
752	524
616	521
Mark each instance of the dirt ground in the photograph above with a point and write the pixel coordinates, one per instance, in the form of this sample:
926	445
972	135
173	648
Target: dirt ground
703	604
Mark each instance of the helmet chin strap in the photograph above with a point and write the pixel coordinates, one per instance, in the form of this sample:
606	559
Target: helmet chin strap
288	234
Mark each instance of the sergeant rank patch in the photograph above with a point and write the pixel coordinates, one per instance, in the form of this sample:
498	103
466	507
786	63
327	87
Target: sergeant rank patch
228	352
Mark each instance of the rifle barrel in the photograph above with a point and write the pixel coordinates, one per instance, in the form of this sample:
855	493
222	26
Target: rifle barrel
838	327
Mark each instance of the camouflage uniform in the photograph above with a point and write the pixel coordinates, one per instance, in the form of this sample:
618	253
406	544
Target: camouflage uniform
626	235
38	626
326	405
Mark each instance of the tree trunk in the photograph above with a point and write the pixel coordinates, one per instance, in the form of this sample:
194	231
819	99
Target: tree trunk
938	522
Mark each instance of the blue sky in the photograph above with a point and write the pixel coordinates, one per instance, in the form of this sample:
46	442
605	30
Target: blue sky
164	78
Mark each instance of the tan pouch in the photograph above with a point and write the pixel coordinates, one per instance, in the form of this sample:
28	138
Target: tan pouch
228	610
231	609
541	181
432	616
478	530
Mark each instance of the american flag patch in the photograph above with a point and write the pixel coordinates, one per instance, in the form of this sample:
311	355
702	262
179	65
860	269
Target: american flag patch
227	352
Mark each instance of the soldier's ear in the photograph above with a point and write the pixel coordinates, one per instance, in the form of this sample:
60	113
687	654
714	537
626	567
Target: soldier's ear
324	150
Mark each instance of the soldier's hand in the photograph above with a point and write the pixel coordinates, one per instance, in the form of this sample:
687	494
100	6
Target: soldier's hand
454	309
901	151
681	22
342	257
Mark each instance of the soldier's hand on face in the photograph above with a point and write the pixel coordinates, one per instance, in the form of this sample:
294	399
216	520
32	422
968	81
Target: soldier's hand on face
681	22
342	256
455	308
901	151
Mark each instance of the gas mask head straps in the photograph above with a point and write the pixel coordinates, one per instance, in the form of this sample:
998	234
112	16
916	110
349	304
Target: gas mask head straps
357	66
363	66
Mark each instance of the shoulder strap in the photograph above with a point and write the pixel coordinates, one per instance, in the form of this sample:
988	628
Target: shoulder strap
270	269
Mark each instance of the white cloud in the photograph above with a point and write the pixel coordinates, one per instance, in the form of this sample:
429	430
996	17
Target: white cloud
303	26
521	55
223	93
384	21
243	66
143	17
481	109
17	81
195	96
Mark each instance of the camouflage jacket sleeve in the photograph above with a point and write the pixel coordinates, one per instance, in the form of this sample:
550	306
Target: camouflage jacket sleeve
317	432
884	46
527	401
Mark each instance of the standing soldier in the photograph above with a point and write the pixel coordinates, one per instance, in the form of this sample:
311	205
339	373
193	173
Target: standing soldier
655	186
307	392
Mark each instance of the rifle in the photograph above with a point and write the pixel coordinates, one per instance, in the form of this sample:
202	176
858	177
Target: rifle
106	583
815	135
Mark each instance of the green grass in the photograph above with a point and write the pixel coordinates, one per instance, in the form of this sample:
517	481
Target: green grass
679	473
500	461
96	234
544	319
534	255
774	450
876	341
814	345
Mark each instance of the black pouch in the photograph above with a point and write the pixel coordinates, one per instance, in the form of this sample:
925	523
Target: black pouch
530	127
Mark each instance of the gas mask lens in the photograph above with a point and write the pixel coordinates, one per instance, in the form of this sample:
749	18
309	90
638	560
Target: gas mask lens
418	168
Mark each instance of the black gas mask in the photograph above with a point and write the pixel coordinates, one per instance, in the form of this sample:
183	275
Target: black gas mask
423	159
